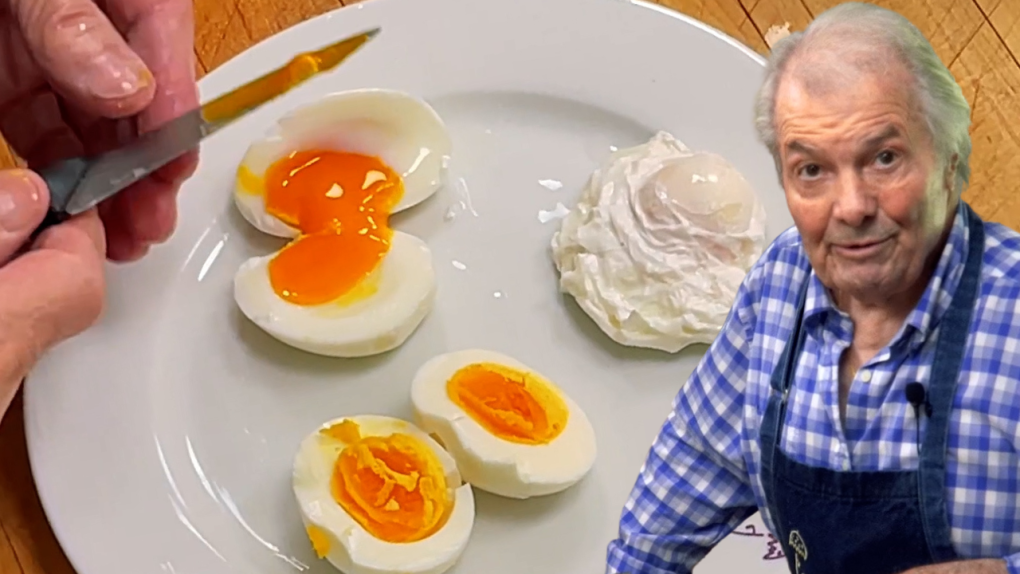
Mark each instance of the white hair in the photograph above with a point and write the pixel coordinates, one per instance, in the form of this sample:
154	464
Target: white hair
859	28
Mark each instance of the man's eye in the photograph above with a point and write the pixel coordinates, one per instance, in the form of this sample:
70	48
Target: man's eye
886	158
809	171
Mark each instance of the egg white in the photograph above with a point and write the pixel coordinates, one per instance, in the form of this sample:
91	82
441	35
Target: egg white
401	292
491	463
352	549
400	129
658	243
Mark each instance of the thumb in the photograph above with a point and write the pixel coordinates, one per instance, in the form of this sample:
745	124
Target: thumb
48	294
84	57
23	203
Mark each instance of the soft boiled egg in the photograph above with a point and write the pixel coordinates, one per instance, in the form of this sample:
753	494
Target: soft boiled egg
403	132
379	496
329	177
512	431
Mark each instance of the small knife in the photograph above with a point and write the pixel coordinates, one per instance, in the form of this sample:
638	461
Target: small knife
77	184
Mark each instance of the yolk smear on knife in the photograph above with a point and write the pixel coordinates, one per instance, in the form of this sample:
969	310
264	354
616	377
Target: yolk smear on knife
394	486
513	405
341	203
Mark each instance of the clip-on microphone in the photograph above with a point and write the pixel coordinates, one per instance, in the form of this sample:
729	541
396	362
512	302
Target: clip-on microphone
917	396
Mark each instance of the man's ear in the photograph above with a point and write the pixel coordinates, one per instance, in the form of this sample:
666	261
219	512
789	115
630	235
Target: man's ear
949	176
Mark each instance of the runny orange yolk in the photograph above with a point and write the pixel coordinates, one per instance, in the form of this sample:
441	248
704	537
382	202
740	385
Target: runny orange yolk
393	486
516	406
340	202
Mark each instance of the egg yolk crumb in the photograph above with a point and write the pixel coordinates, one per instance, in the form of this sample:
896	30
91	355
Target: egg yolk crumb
513	405
341	203
319	539
394	486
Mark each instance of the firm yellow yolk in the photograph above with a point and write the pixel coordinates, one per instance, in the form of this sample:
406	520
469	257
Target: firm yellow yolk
319	539
341	203
513	405
393	486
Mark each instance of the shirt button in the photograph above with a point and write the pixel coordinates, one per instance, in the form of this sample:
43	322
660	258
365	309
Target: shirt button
866	376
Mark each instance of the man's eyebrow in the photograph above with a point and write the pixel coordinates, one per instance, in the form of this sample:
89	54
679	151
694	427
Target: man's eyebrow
888	132
799	146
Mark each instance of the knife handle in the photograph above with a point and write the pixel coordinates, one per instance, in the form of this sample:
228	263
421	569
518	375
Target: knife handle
62	180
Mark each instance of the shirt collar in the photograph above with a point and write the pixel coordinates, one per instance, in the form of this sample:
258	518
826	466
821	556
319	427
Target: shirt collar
935	300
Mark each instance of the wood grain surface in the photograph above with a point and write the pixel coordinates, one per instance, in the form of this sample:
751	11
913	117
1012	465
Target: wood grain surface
978	39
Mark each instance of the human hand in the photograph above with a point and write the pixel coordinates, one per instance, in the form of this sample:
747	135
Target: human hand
82	76
50	291
973	566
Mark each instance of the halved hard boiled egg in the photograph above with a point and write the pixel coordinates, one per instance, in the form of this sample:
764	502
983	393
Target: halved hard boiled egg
379	496
512	431
329	177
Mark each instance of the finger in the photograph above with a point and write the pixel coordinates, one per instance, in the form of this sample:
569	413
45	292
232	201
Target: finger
19	74
34	126
120	247
84	56
68	235
23	203
162	33
99	134
49	294
148	215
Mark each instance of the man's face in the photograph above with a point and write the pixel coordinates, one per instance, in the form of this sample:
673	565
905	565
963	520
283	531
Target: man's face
862	182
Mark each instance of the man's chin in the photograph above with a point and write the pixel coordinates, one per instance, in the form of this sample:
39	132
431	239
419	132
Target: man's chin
870	283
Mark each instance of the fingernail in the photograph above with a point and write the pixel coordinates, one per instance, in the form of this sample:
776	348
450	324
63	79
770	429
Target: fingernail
117	77
20	200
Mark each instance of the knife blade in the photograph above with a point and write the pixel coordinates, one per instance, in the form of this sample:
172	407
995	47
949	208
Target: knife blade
77	184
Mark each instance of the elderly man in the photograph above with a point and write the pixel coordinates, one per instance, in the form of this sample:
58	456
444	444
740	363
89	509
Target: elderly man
864	393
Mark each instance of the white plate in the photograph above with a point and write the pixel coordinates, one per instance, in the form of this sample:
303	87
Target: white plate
161	440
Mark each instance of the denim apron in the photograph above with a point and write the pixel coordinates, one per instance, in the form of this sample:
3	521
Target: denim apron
876	522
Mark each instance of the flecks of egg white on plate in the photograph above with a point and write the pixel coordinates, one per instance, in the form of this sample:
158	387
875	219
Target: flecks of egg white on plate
596	149
458	265
551	184
559	212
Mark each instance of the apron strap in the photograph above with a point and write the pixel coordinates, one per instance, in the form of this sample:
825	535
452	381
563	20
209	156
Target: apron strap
945	372
772	422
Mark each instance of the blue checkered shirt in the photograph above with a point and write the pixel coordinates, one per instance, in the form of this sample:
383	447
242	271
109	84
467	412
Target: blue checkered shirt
702	479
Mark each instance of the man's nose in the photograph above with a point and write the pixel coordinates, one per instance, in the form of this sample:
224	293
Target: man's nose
855	201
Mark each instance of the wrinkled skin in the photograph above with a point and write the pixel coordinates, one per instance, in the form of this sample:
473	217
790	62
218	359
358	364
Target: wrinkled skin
81	76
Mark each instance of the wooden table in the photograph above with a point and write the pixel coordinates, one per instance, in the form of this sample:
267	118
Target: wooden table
980	39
